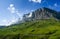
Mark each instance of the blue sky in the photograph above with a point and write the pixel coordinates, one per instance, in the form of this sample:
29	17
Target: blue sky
11	10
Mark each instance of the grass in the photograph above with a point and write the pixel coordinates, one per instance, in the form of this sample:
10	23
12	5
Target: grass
38	29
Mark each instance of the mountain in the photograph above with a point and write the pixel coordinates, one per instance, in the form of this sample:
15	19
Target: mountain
2	26
42	13
43	26
58	15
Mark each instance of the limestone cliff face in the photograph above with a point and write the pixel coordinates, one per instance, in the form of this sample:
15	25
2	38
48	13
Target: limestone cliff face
42	13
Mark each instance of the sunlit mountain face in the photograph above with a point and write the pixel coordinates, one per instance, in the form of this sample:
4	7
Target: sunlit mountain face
12	11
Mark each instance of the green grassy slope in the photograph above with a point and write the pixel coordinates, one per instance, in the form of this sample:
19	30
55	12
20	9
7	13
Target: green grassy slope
39	29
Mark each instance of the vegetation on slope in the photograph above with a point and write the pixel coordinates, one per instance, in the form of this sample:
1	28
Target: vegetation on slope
38	29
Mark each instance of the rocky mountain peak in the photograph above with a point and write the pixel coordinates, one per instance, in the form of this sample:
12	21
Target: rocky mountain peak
42	13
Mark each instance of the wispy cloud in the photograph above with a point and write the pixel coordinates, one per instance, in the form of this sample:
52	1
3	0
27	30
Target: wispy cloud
13	21
55	5
36	1
4	20
11	8
9	22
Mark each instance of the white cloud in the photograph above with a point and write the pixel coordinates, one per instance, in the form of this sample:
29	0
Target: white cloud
11	5
4	20
19	14
13	21
55	4
11	8
9	22
36	1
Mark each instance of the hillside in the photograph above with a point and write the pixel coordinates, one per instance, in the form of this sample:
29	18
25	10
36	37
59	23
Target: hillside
38	29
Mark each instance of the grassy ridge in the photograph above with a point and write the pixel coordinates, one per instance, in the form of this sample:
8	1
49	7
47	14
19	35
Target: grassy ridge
38	29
